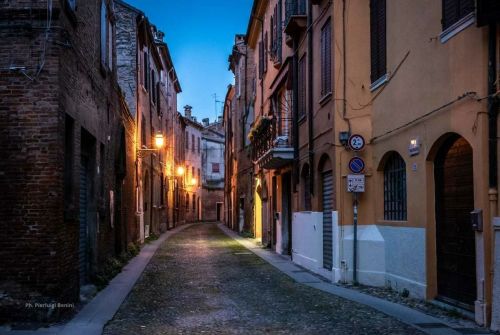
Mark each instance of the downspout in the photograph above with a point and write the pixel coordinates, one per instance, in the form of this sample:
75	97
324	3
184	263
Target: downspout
295	110
492	119
310	97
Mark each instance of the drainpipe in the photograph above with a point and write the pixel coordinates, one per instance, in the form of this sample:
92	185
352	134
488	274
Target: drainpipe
310	106
492	119
295	98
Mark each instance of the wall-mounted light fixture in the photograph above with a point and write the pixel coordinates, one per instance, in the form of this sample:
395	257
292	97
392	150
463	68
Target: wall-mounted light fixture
344	137
159	143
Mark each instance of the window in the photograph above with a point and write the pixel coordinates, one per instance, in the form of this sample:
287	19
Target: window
276	31
454	10
266	46
306	187
153	86
143	130
187	140
302	87
193	144
145	70
395	188
261	59
326	58
104	34
199	177
187	202
192	172
199	145
215	168
194	202
72	4
378	42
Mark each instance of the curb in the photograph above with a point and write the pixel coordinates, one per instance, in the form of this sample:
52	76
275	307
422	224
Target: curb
94	315
421	321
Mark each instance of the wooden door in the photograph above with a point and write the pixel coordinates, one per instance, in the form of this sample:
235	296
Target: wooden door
456	257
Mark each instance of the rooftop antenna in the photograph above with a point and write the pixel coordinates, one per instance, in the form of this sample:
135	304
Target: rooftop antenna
215	105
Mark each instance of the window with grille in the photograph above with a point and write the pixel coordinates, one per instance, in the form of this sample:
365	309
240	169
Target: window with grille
454	10
378	42
395	188
302	87
326	58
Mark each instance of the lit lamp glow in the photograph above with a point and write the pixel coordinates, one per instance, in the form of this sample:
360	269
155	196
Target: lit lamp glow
180	171
193	181
159	140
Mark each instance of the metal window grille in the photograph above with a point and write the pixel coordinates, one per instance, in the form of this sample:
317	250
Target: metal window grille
395	189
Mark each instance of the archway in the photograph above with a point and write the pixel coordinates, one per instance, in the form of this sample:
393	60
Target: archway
455	240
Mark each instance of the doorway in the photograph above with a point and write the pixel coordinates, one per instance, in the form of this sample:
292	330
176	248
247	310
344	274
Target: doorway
219	211
455	239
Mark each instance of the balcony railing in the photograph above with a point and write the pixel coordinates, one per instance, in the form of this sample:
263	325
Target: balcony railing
295	8
272	143
295	19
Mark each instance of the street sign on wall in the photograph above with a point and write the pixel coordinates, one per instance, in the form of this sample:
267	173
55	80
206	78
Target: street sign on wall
356	183
356	142
356	165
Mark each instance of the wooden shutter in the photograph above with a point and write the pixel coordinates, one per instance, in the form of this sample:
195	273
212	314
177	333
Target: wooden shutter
454	10
266	48
378	39
326	59
302	87
261	59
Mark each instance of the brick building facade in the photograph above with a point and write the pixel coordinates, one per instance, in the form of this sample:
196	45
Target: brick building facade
66	139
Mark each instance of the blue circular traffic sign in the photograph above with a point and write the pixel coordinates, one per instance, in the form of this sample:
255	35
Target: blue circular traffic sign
356	165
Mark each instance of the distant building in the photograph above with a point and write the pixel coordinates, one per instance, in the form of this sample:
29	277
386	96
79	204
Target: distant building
213	171
193	163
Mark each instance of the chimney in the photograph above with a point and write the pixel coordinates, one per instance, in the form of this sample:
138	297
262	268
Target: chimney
206	122
187	111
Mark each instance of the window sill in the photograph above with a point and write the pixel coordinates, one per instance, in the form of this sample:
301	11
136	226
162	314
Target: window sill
326	98
379	82
392	222
457	27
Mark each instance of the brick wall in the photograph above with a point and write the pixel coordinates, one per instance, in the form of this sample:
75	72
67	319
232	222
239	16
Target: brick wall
210	198
39	239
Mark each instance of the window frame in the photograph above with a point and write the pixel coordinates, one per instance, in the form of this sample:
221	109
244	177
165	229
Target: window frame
326	58
378	46
395	188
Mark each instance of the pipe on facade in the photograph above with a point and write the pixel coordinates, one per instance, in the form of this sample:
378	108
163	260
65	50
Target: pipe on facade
310	106
492	107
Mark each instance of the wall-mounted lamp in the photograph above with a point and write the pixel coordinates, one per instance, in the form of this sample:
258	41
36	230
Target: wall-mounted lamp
344	137
180	171
159	143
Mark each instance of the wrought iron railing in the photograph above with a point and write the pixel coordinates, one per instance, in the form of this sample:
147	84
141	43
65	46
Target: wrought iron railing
275	133
293	8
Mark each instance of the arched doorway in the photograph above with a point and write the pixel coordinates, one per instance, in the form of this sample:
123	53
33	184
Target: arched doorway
327	206
455	241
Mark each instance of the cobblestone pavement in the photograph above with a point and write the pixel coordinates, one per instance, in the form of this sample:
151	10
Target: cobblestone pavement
203	282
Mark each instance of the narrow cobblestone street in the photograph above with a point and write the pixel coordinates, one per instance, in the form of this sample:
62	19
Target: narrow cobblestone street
202	281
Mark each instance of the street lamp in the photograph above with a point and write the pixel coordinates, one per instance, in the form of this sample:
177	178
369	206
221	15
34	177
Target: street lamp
193	181
180	171
159	143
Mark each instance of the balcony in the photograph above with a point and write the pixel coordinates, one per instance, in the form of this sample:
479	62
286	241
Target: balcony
272	143
295	19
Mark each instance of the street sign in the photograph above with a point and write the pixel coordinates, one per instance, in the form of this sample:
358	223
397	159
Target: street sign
356	142
356	183
356	165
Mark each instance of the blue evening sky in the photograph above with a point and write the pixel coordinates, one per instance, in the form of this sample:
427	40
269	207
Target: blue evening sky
200	35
